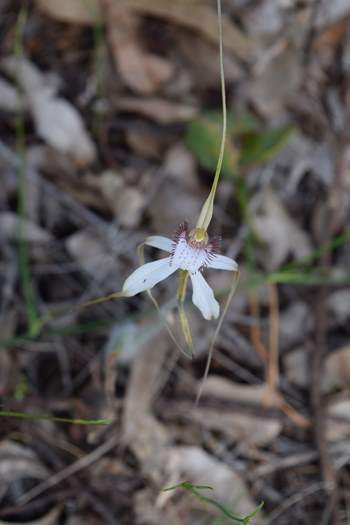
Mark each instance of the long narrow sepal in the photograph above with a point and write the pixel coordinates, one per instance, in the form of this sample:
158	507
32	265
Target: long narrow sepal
114	295
185	326
221	262
147	276
160	242
203	297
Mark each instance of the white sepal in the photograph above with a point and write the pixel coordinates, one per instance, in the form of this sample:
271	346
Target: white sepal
158	241
203	297
221	262
147	275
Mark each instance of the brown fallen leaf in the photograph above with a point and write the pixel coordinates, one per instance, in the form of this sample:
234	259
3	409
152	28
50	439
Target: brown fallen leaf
72	11
68	134
151	442
296	367
258	394
144	142
142	71
14	228
191	14
158	109
331	12
126	202
247	429
338	420
196	466
180	166
295	322
276	81
146	436
17	464
338	304
221	387
201	58
92	255
280	231
197	17
337	370
180	203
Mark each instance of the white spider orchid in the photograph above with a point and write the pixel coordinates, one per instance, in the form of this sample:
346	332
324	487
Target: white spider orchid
191	252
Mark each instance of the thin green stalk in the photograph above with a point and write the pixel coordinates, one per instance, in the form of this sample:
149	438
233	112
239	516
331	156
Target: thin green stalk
234	284
331	245
195	491
243	204
208	207
24	267
36	417
98	56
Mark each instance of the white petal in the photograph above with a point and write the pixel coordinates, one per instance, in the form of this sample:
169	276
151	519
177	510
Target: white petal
147	275
157	241
221	262
203	297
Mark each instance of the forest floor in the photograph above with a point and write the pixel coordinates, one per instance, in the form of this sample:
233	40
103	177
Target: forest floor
110	122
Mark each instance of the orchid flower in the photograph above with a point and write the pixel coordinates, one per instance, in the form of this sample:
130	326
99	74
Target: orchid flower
190	251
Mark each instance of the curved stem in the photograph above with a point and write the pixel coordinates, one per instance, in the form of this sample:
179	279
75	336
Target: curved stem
207	210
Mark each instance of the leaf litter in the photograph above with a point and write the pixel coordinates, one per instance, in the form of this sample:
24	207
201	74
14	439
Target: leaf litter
120	145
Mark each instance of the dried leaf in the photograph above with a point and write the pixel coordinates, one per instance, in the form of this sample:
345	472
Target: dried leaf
179	166
337	370
296	367
338	420
142	71
294	324
200	18
17	464
247	429
281	233
197	466
276	82
221	387
126	202
144	142
338	303
68	134
147	437
92	255
130	205
14	228
157	109
180	202
9	99
331	12
71	11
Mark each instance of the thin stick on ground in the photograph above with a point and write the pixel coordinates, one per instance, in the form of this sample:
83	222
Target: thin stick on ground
272	367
